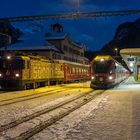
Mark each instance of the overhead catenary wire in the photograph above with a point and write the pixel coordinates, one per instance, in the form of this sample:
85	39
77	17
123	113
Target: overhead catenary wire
72	15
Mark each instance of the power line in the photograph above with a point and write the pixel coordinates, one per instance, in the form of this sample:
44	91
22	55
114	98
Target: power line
71	15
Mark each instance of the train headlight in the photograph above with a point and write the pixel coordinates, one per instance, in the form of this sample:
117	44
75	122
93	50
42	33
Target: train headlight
0	75
92	77
17	74
102	60
110	77
8	57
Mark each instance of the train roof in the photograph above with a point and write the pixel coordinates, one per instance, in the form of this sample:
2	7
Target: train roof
72	63
27	57
105	57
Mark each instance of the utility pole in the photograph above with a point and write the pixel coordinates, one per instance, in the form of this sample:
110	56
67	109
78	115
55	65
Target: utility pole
78	6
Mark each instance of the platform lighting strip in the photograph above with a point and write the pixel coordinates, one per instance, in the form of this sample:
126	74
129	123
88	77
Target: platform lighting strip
71	15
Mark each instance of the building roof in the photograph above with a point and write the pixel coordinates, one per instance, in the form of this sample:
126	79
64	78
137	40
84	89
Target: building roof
56	35
31	41
130	51
62	36
77	44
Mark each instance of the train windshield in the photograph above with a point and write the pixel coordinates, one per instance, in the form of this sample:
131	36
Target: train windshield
17	64
101	67
11	64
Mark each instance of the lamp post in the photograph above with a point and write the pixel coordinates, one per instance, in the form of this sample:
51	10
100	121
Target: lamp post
78	6
116	51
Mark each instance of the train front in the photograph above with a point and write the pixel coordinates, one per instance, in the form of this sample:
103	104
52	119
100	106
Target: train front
10	71
103	72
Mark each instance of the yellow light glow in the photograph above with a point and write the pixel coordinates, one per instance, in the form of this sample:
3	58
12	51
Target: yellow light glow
17	75
8	57
102	59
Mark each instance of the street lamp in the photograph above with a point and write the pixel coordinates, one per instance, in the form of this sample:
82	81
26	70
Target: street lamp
116	51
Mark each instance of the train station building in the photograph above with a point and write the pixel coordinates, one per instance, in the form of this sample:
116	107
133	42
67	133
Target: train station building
132	58
56	44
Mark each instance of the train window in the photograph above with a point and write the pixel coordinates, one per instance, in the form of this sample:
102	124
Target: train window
101	67
73	70
61	67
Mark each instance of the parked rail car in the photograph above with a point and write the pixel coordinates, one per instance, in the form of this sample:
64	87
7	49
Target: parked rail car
24	72
107	72
75	71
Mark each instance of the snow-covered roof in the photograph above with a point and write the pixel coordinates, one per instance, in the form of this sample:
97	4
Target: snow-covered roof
31	41
56	35
80	45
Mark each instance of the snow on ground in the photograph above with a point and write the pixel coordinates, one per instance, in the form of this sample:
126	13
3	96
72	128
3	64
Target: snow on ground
113	115
14	111
63	128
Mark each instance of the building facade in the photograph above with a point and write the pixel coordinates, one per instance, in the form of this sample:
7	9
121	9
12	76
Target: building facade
55	45
70	50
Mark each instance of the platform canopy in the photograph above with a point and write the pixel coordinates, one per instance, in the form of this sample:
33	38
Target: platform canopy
131	51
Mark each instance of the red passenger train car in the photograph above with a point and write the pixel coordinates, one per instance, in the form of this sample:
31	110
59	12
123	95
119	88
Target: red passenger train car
107	72
75	71
25	72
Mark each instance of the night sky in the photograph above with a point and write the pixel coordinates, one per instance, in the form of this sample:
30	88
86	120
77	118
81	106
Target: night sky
93	32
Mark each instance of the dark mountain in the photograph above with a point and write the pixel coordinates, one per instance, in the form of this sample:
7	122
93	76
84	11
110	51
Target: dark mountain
127	36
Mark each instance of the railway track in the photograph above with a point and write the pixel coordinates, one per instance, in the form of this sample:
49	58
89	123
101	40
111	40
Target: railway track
29	97
28	126
25	95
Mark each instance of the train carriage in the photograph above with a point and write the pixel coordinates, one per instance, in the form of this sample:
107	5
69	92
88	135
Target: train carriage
75	71
25	72
107	72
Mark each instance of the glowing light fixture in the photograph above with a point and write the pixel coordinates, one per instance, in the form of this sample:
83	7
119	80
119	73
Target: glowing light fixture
131	70
8	57
131	64
110	77
102	59
17	75
92	77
